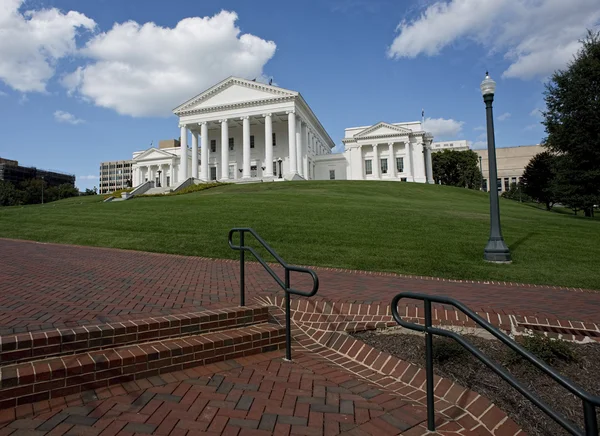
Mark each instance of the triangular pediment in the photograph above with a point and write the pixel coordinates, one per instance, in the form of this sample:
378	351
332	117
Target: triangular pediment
233	91
154	153
382	129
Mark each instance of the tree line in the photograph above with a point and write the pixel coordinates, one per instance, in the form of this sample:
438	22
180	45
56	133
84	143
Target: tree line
31	192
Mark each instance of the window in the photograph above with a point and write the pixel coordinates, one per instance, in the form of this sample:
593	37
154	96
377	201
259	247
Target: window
253	171
506	184
213	145
499	184
231	144
368	167
251	141
331	174
231	173
275	168
403	179
274	140
484	185
400	164
383	166
513	180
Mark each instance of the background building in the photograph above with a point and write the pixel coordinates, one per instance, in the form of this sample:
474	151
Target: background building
459	145
11	171
115	175
511	163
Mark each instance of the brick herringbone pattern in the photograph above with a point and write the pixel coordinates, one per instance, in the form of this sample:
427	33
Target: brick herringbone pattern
45	286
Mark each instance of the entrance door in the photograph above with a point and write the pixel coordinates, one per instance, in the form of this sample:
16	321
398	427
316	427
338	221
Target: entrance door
168	180
213	173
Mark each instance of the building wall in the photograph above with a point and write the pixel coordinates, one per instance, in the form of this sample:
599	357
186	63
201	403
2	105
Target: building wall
459	145
15	174
337	163
114	175
511	163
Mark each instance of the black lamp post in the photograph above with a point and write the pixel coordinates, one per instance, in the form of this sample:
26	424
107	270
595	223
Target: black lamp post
496	249
481	171
280	161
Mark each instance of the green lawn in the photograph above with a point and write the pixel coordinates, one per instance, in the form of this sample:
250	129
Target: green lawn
402	227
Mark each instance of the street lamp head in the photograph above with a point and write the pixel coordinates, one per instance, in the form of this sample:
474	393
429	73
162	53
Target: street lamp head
488	86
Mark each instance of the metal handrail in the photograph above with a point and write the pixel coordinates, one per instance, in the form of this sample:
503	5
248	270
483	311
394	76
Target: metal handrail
590	402
284	284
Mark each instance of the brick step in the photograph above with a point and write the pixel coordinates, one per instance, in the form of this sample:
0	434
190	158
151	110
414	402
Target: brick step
29	346
45	379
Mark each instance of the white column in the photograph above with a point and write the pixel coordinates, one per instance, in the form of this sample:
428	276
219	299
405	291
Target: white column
299	140
292	142
361	161
204	145
419	163
195	154
411	173
224	150
268	146
429	166
246	145
305	154
392	161
172	173
183	156
375	162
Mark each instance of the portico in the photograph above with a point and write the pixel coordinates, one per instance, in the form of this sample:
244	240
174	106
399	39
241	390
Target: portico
239	130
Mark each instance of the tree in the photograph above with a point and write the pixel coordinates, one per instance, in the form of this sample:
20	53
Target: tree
572	122
9	195
540	177
457	168
516	192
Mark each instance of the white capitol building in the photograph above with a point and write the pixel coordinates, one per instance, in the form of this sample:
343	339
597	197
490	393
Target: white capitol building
243	131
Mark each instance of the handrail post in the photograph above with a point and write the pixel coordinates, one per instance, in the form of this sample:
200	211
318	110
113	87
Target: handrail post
590	420
429	368
288	323
242	272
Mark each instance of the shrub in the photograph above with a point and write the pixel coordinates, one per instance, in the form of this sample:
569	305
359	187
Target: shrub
549	350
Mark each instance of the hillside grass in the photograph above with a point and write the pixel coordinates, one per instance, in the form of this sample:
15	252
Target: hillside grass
382	226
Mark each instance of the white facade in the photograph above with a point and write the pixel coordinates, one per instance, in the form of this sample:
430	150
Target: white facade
243	131
239	130
383	151
458	145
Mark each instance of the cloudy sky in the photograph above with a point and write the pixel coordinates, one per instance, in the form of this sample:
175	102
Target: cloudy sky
87	81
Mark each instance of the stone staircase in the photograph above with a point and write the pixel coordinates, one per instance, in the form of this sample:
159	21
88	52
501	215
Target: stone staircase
159	190
46	365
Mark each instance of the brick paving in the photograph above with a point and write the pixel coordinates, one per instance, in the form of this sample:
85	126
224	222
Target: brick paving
335	385
45	286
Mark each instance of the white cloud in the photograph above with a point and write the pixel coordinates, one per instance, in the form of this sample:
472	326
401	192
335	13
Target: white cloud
147	70
533	126
535	36
66	117
32	42
537	113
443	128
505	116
478	145
479	128
89	177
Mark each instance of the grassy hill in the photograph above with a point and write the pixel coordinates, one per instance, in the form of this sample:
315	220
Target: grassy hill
385	226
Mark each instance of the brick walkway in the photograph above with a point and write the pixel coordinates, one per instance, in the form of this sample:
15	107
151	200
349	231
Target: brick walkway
335	385
44	286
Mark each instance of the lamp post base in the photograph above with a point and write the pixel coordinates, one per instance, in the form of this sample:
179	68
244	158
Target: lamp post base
496	251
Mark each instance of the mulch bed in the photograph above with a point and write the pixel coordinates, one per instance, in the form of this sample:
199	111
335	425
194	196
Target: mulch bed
578	362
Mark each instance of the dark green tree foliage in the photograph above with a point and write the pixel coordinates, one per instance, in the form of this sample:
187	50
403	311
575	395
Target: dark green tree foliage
457	168
30	192
540	177
517	193
572	122
9	196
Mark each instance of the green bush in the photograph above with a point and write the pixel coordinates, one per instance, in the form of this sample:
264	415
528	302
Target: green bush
549	350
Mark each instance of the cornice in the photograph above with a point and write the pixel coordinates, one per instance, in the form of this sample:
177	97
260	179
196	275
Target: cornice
368	130
239	105
228	83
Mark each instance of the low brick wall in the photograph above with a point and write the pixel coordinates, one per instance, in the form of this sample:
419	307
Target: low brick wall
46	379
28	346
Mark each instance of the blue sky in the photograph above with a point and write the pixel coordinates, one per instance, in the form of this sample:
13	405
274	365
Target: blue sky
80	85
